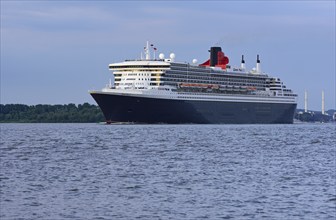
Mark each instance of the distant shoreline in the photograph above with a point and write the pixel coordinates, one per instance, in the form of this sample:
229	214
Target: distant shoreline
68	113
89	113
315	116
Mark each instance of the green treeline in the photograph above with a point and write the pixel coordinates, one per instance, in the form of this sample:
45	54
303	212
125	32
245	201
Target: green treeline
50	113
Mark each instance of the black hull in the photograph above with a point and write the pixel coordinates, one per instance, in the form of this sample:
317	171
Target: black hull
122	108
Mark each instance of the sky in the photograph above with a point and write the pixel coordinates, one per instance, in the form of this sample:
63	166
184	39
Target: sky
53	52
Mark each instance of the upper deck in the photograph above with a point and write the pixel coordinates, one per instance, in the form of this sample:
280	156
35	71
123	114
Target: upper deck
213	76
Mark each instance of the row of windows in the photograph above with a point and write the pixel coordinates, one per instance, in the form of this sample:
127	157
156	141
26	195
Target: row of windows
195	74
139	70
179	64
216	82
242	80
201	69
219	95
196	70
220	75
137	74
175	82
139	66
187	69
129	79
161	84
259	86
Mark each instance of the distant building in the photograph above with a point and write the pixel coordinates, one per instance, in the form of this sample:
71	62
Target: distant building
315	116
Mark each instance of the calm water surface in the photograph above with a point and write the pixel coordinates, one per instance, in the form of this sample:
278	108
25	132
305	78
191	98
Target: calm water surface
92	171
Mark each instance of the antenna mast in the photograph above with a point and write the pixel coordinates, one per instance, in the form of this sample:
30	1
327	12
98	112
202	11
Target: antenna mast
147	51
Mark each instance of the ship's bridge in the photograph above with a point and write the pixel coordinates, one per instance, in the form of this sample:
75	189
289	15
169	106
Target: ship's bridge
138	74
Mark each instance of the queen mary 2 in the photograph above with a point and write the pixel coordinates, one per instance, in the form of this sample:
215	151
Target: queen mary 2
167	91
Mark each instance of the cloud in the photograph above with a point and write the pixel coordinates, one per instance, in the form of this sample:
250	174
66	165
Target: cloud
56	18
164	21
73	33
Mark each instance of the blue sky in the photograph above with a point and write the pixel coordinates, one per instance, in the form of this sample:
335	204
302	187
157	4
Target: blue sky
53	52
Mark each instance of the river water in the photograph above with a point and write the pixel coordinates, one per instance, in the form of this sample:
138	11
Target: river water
94	171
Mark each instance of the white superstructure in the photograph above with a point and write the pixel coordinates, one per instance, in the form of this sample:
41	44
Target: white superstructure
173	80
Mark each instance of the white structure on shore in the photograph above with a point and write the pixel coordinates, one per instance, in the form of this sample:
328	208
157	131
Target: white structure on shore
305	102
322	110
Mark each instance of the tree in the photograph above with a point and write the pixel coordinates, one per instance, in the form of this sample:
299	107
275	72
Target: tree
50	113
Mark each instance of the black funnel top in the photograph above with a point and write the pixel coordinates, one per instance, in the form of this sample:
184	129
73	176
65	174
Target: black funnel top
242	60
214	55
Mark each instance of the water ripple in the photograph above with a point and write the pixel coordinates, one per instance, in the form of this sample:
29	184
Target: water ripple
90	171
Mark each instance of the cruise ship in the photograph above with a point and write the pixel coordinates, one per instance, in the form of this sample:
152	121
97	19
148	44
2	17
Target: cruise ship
162	90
